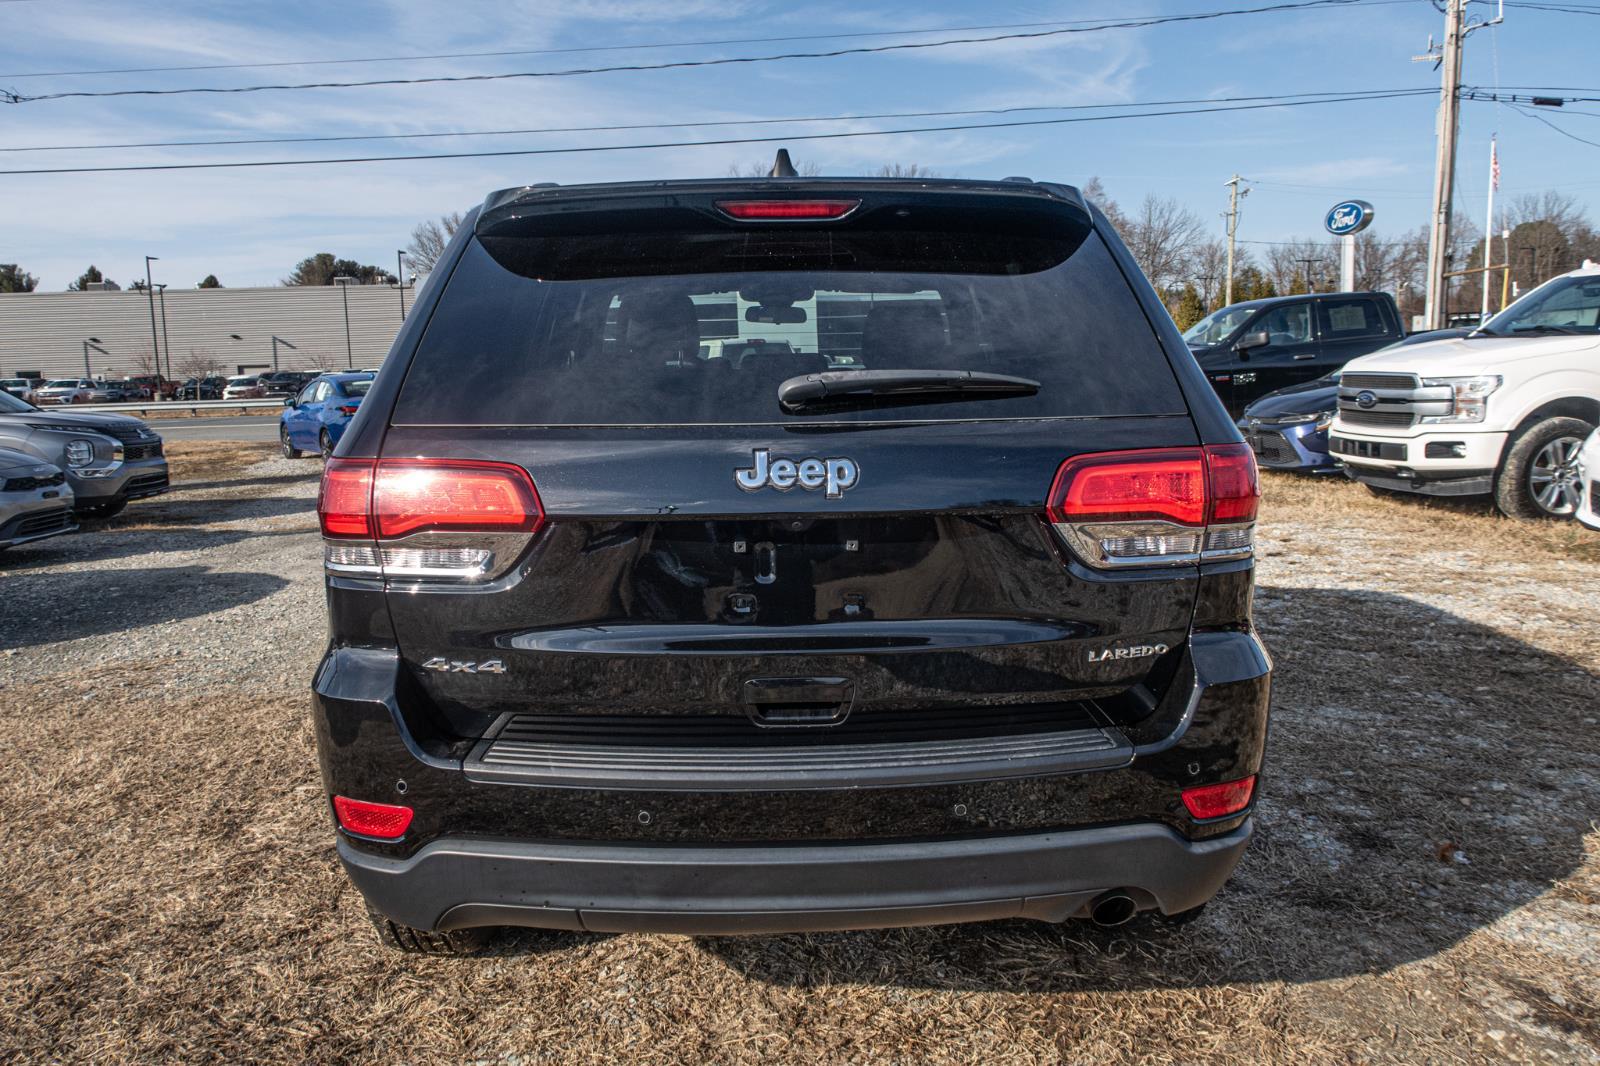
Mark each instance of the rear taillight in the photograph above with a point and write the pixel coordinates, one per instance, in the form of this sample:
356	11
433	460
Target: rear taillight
382	821
349	408
1157	506
787	210
1220	800
450	520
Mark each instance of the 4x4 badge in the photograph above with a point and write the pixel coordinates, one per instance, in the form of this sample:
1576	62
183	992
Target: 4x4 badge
833	475
456	666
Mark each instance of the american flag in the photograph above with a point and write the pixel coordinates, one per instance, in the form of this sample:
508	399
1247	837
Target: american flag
1494	164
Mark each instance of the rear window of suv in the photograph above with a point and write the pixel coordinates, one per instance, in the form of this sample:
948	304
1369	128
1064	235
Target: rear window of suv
512	342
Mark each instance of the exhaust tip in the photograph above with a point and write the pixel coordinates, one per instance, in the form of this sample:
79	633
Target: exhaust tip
1111	909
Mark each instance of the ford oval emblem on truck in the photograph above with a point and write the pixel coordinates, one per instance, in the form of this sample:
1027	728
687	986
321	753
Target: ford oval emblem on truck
1351	216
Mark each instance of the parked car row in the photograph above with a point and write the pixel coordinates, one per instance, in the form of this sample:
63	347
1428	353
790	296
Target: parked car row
1507	410
72	464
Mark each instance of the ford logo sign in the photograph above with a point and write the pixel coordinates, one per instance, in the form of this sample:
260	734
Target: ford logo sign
1351	216
1366	400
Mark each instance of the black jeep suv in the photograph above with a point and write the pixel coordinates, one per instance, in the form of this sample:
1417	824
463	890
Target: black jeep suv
933	607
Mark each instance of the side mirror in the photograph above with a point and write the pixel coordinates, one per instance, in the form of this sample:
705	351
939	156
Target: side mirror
1258	339
291	401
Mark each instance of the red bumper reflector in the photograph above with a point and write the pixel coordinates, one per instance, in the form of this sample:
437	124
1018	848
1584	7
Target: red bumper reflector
1216	801
790	210
385	821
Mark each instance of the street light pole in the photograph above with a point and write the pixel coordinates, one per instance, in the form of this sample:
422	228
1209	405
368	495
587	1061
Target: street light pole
150	292
162	292
277	340
400	280
92	342
342	281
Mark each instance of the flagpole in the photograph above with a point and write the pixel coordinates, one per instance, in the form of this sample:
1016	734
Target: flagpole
1488	225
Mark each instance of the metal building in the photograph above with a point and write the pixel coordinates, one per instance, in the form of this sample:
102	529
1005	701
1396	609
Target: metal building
229	331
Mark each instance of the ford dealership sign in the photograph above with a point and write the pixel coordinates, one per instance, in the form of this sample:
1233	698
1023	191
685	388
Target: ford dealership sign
1349	217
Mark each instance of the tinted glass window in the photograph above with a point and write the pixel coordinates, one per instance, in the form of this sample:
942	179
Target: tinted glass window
504	348
1571	304
1351	318
356	388
1289	324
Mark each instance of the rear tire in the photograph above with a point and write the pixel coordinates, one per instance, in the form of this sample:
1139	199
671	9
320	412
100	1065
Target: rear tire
326	443
392	934
289	450
1538	478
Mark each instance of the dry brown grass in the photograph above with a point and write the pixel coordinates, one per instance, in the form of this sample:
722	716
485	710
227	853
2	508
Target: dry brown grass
172	892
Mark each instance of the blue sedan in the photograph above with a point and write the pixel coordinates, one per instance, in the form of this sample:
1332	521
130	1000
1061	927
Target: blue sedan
314	420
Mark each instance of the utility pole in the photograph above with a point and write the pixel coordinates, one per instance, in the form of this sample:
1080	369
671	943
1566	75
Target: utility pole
1307	261
1234	193
1448	56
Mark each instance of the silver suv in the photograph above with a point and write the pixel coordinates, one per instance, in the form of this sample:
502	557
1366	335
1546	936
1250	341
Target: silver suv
109	459
35	499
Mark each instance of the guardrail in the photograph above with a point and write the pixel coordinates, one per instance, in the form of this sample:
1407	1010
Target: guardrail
157	408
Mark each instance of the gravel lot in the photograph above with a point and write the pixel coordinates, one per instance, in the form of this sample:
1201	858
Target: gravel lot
1425	885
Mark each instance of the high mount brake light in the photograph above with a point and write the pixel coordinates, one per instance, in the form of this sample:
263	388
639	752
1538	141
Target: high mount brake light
381	821
787	210
1219	800
443	519
1157	506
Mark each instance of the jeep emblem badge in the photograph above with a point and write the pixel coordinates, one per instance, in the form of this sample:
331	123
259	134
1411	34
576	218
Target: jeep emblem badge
833	475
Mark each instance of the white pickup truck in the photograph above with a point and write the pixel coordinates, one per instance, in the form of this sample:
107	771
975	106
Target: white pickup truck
1502	411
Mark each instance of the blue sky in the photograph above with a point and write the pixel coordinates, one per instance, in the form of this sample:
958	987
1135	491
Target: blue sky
249	226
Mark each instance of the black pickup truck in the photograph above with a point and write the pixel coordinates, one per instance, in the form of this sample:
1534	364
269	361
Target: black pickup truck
1250	349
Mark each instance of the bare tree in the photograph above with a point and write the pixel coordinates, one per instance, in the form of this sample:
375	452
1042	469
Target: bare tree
1162	236
905	170
145	362
320	359
808	169
1095	192
200	363
428	240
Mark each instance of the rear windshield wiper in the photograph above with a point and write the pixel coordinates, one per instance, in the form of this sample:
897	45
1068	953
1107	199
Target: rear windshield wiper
840	389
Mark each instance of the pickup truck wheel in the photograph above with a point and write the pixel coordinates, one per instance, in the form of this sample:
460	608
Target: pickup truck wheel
392	934
289	450
1539	477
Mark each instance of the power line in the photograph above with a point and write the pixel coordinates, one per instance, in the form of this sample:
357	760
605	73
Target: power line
707	143
1565	133
505	53
1346	93
1155	20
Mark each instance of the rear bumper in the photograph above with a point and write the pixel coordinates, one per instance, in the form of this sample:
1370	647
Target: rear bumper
460	883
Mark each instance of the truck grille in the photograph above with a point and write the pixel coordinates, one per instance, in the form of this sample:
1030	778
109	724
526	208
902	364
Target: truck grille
1392	401
1367	449
1378	381
1354	416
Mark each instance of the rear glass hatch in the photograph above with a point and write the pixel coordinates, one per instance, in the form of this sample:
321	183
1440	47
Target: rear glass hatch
833	526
